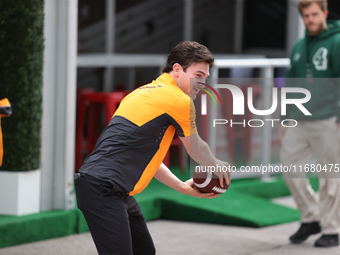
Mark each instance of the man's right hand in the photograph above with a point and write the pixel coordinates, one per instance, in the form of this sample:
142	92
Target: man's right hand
200	152
223	174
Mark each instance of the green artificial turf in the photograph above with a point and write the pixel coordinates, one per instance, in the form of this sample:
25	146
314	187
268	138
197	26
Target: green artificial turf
30	228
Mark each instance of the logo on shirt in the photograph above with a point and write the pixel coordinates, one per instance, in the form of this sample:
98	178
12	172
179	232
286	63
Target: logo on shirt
297	56
320	60
192	118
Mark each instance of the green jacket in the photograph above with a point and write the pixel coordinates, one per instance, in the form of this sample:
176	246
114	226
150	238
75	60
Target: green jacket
324	74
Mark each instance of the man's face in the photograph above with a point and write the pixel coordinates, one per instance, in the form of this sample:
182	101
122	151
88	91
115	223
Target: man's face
187	81
314	19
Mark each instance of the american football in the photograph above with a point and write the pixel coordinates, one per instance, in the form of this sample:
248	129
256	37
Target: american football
205	181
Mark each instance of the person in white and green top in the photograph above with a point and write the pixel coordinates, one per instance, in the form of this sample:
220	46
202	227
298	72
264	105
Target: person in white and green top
315	66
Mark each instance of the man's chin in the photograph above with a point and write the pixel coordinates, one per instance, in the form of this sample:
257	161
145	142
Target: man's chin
193	96
314	30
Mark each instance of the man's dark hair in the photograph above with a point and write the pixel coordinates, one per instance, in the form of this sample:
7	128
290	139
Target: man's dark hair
305	3
187	52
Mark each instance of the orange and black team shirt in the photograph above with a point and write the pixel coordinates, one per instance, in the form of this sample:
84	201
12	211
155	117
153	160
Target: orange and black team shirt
132	147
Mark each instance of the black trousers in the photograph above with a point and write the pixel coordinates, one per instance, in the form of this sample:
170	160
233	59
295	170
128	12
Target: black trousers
115	220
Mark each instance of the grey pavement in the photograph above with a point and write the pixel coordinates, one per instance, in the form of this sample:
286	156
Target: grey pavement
183	238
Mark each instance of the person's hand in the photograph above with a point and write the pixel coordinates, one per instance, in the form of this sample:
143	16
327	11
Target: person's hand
282	131
222	172
191	191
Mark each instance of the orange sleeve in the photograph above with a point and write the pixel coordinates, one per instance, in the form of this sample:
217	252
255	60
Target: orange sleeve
184	113
5	108
1	145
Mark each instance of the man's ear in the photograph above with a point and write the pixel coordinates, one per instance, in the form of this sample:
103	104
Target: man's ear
326	12
176	69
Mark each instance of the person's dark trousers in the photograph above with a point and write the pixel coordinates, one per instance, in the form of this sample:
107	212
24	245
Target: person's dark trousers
115	219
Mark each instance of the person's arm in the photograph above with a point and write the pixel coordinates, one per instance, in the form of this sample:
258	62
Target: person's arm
165	176
200	152
335	65
183	113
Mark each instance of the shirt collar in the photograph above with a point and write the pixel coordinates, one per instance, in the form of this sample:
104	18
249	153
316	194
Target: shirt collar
167	79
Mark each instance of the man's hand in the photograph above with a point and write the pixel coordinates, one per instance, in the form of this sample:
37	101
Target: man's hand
224	173
201	153
282	131
165	176
191	191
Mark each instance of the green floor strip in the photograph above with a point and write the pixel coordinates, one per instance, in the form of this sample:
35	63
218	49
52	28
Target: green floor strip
30	228
246	203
